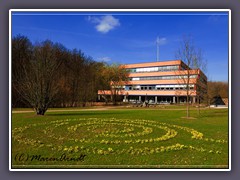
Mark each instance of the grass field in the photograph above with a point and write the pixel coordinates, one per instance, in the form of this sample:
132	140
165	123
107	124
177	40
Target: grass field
120	138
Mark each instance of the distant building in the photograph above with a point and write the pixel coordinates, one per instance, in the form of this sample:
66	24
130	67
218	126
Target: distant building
161	82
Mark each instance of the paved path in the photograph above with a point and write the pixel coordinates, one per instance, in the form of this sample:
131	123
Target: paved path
64	110
101	109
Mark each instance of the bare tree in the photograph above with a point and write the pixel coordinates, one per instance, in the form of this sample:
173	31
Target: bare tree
193	59
21	54
39	83
75	75
104	84
118	78
47	74
114	77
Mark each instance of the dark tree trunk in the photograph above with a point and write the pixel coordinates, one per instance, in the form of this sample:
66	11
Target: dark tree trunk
41	111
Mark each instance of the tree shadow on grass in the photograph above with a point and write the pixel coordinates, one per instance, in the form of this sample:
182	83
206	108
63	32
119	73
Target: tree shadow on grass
93	113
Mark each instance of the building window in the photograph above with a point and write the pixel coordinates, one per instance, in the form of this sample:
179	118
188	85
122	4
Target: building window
154	69
161	77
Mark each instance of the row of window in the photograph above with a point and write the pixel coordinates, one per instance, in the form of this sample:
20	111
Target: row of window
154	69
159	87
161	77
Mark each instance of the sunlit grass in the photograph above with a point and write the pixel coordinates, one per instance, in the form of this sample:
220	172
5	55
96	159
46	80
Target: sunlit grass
123	138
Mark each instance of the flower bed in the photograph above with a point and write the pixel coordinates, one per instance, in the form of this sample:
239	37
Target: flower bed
101	136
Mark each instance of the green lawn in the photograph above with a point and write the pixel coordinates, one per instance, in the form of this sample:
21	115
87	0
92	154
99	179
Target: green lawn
121	138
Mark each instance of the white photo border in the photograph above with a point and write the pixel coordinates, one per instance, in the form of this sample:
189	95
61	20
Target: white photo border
115	11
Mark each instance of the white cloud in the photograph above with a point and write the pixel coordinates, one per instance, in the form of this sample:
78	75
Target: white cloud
104	59
104	23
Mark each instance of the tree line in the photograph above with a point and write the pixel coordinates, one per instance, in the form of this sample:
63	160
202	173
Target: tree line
47	74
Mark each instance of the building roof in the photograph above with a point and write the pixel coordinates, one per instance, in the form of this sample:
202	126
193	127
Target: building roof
153	64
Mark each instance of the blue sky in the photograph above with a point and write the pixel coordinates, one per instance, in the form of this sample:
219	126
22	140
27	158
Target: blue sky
129	37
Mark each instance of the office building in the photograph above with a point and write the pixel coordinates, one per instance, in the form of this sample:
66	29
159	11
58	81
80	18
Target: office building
162	82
